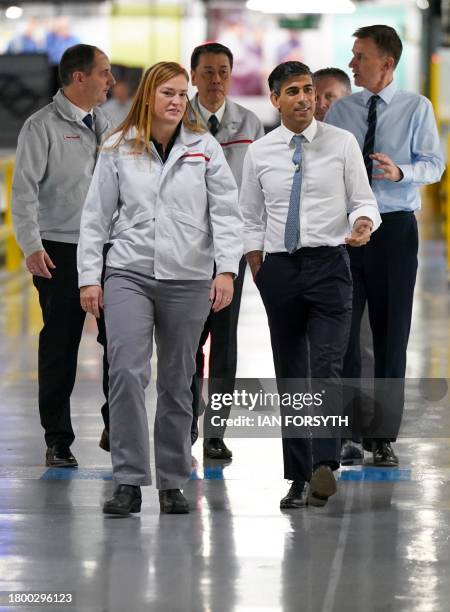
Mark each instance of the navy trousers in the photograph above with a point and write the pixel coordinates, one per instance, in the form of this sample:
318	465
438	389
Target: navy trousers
308	300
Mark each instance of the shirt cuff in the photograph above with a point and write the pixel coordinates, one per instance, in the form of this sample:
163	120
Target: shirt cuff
407	170
85	279
229	266
253	244
365	211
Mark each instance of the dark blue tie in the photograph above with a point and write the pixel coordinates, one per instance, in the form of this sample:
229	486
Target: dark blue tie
87	120
369	140
292	229
213	125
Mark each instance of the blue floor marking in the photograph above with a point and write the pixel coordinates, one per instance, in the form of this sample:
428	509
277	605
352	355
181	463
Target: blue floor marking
76	474
376	474
213	472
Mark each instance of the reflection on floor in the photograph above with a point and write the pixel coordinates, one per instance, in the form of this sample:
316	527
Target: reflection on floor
383	543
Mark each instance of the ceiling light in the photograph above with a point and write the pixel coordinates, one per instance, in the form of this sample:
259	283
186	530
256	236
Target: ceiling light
423	4
292	7
13	12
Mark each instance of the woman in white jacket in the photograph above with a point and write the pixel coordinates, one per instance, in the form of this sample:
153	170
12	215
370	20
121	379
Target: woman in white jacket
163	195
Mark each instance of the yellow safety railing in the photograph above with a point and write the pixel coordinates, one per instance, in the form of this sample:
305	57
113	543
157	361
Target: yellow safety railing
447	201
13	256
441	191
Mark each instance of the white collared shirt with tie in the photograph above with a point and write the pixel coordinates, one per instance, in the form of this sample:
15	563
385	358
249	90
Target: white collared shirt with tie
335	188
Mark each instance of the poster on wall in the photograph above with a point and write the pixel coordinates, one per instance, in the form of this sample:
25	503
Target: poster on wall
258	43
50	36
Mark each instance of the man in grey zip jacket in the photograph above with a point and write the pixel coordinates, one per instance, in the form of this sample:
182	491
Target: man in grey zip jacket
235	127
55	160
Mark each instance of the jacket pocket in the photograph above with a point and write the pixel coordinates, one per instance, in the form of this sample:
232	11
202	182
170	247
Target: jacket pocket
124	222
192	222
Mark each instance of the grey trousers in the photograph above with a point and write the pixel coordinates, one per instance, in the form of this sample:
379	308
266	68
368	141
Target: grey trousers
136	306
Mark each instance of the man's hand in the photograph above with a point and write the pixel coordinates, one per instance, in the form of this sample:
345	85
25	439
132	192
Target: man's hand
221	293
38	263
91	299
362	228
390	171
254	259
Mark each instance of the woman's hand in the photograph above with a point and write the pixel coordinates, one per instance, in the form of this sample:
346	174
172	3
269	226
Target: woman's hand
221	292
91	299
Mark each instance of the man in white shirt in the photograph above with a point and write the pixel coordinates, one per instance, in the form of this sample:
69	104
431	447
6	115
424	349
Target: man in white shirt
305	193
56	154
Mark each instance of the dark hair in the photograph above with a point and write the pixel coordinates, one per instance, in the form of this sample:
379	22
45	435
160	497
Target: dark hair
283	72
386	39
210	47
78	57
335	73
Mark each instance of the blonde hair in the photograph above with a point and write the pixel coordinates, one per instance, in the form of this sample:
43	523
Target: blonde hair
140	113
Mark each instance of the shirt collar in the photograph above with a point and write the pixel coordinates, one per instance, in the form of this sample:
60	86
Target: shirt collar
385	94
80	112
308	133
206	114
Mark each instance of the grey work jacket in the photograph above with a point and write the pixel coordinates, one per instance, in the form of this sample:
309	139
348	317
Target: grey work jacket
55	160
238	129
182	216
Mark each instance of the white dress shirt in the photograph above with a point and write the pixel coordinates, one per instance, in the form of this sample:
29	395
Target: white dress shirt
335	188
206	114
81	113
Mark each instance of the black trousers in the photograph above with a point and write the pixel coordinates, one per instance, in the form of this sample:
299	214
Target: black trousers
308	300
222	326
384	275
59	340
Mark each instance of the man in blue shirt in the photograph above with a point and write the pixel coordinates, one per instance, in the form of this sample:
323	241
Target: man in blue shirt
397	133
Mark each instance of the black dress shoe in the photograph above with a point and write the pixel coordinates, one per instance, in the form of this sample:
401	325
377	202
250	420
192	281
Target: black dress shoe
172	501
104	441
351	453
125	499
383	454
194	430
295	497
367	444
215	448
321	486
60	456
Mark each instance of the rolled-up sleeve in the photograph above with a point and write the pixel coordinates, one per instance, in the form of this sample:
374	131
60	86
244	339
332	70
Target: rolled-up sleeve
252	204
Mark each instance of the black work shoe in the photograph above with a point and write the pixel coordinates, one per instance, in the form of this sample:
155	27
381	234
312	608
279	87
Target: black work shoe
295	497
194	430
383	454
172	501
351	453
60	457
104	441
321	486
125	499
367	444
215	448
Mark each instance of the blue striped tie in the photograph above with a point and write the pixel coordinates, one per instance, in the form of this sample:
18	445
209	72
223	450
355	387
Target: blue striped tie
292	230
369	140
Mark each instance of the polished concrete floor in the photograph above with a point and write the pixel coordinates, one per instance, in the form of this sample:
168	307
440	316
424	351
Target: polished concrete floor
381	544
